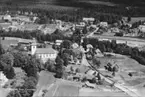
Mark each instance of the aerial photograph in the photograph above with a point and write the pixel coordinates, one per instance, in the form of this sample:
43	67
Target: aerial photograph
72	48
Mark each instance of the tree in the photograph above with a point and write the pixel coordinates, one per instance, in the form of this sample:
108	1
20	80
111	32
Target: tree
49	65
8	59
1	50
66	58
19	58
96	62
30	83
10	73
14	93
78	70
30	67
85	31
59	70
66	44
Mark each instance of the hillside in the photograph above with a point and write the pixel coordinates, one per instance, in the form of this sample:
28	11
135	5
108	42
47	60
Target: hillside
103	6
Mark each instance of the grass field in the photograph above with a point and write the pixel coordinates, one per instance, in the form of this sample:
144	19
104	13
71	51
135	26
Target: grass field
126	65
63	88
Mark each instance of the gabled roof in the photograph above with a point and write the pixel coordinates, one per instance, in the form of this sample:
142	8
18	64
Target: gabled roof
45	51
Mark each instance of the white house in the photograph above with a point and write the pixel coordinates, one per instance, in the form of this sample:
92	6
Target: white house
43	53
142	28
7	17
3	79
103	24
89	19
58	42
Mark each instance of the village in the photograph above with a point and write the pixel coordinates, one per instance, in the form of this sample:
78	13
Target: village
93	63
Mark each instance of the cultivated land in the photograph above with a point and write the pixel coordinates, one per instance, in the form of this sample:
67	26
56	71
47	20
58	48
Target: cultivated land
126	65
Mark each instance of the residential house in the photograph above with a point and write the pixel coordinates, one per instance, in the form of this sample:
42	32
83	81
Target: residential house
58	42
115	30
75	45
88	19
99	53
7	18
142	28
103	24
43	53
3	79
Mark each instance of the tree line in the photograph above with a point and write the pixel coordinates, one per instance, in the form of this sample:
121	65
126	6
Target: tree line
107	46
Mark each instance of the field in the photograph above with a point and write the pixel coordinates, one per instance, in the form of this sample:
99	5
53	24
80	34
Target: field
63	88
101	93
135	19
126	65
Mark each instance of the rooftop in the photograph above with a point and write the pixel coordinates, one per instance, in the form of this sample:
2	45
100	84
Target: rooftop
45	51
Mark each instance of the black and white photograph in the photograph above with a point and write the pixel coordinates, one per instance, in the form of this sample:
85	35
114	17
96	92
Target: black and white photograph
72	48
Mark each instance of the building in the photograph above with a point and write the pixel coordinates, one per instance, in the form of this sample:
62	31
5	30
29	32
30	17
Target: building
7	18
89	19
103	24
3	79
142	28
58	42
43	53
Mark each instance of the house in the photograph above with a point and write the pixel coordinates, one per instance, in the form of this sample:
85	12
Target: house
43	53
58	42
7	18
75	45
115	30
3	79
141	28
99	53
90	85
89	19
89	46
91	72
103	24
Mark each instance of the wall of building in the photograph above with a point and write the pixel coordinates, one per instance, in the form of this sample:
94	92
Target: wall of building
45	57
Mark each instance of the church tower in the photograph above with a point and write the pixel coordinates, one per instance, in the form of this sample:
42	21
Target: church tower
33	48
